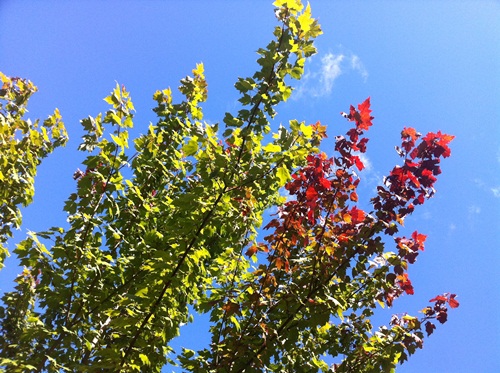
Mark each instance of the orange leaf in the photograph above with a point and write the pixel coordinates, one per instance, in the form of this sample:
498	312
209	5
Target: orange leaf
251	251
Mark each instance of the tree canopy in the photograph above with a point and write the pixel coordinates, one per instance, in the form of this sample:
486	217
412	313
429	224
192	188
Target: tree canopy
167	226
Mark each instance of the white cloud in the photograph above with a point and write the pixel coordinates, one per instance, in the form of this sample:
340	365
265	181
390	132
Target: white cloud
320	80
330	70
496	192
357	65
481	184
474	210
426	215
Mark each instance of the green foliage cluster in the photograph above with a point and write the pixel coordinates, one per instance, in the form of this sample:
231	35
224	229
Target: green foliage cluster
23	145
160	225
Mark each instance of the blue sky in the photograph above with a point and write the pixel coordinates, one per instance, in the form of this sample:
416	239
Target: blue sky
429	65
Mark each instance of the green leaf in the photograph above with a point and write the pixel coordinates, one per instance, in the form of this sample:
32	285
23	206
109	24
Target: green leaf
144	359
306	130
234	320
283	175
142	293
117	140
305	19
272	148
191	147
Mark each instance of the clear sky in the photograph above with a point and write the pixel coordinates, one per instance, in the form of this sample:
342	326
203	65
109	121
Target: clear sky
432	65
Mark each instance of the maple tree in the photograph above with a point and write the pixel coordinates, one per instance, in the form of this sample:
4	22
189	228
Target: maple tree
171	229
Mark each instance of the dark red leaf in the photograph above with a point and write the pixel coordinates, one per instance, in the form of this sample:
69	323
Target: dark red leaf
442	316
429	328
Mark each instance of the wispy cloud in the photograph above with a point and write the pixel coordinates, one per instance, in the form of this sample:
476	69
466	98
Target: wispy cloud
496	191
319	79
474	210
358	66
330	70
366	161
482	185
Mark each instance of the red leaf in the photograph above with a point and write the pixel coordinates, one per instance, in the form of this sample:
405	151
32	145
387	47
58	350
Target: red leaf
443	142
358	162
442	317
453	302
405	283
311	194
429	328
439	298
419	239
230	308
362	145
413	179
364	112
310	216
409	132
357	215
325	183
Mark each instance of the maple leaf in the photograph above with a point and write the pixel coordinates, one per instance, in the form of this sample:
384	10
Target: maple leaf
429	328
442	316
439	298
419	239
362	145
231	308
251	251
311	194
357	215
358	162
409	132
453	302
364	112
405	283
325	183
319	129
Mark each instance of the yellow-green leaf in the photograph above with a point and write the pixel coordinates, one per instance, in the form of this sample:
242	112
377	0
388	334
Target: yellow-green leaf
306	130
191	147
283	174
272	148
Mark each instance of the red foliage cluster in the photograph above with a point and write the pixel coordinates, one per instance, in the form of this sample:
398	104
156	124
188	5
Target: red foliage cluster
409	247
410	184
321	213
439	311
310	184
346	146
322	187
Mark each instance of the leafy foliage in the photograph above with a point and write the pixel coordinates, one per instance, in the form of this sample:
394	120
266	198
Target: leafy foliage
23	145
173	224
